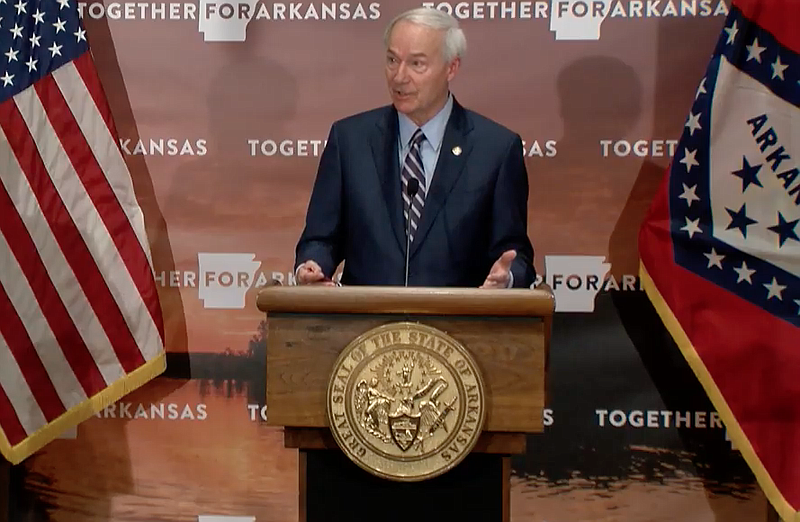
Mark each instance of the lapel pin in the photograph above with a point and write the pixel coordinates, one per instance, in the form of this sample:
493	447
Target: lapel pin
457	150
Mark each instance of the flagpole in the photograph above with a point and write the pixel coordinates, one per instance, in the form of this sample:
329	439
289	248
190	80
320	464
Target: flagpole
5	483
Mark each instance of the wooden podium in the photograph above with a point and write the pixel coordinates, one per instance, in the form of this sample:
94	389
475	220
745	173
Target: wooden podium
505	331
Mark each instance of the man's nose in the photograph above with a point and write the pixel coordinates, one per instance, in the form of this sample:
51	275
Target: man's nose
401	74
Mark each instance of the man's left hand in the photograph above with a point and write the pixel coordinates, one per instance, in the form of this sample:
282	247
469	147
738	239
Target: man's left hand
499	275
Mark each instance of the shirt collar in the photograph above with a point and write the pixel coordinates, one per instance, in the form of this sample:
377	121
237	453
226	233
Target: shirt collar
433	128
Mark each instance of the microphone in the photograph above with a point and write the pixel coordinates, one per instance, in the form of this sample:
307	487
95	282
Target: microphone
411	189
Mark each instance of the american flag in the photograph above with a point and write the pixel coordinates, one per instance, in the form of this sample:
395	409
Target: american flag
80	318
720	246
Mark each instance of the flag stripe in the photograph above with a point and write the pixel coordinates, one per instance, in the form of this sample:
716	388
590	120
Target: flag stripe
50	253
20	346
102	248
75	350
11	425
88	74
75	249
30	291
79	84
123	211
105	149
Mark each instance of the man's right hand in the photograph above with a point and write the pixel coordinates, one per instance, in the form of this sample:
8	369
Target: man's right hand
310	273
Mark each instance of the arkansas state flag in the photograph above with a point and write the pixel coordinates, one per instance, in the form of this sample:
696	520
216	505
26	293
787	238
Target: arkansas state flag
720	252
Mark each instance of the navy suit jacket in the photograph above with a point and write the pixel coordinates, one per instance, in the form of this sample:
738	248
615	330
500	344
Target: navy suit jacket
476	207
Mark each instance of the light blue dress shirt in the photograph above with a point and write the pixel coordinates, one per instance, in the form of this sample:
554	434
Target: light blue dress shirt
433	130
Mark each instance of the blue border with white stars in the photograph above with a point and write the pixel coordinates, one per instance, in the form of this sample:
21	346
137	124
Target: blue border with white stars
775	290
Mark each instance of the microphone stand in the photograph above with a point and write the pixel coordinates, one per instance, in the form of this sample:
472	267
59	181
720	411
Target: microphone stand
411	189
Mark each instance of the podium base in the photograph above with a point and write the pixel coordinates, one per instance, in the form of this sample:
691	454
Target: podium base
334	489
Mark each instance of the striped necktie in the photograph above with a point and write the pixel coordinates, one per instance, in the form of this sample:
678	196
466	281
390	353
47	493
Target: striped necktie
412	168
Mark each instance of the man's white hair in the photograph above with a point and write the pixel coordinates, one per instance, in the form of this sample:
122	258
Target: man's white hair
455	43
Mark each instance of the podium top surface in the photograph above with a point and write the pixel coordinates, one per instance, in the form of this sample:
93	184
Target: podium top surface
513	302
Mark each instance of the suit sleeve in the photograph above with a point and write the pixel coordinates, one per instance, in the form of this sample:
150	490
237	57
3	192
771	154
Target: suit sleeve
510	215
322	236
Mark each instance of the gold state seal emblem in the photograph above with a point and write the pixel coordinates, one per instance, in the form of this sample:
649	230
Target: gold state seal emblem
406	401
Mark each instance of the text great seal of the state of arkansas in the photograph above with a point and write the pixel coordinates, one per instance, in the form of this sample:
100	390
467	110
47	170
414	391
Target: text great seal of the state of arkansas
406	401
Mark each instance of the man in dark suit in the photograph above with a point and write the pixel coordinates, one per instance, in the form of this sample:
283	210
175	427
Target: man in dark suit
459	176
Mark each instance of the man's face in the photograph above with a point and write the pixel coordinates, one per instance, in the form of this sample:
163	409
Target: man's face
416	73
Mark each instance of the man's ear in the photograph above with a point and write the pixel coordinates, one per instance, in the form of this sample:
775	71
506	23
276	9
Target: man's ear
452	69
